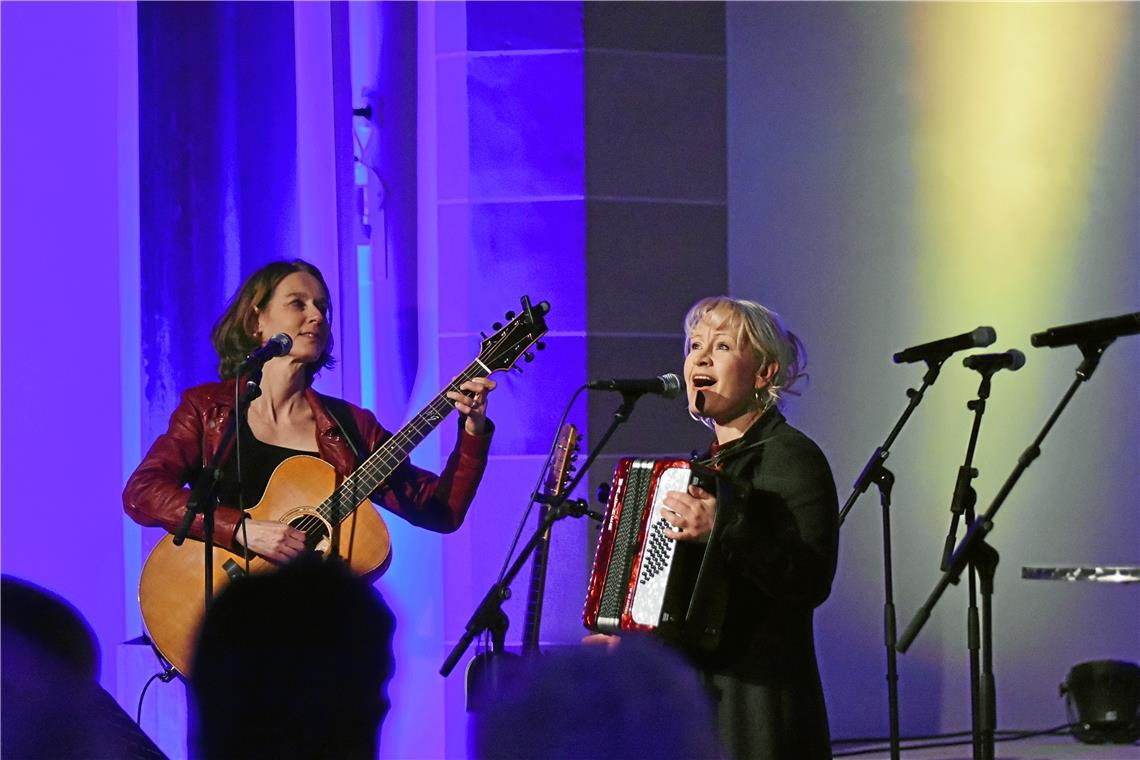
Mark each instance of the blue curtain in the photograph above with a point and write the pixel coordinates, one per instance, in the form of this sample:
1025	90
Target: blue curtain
217	134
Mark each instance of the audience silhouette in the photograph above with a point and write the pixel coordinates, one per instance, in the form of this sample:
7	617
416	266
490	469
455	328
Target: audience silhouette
293	663
638	700
53	705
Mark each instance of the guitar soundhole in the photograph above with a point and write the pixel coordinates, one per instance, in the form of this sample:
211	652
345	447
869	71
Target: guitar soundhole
316	532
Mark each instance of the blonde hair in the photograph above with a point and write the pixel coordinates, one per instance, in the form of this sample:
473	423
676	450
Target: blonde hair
764	332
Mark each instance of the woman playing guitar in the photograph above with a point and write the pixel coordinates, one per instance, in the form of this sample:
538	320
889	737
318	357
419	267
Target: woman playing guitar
290	420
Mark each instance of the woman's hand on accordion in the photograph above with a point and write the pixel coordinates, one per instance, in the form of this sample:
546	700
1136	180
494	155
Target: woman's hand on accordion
689	514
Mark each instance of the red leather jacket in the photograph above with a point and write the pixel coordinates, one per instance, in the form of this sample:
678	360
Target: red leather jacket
156	494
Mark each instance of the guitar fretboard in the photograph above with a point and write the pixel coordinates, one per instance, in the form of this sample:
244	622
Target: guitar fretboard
555	482
377	467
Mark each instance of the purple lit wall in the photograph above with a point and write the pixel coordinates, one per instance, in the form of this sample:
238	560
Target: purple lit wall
70	212
509	177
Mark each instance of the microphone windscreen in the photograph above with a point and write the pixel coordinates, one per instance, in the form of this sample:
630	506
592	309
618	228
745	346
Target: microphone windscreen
984	336
284	340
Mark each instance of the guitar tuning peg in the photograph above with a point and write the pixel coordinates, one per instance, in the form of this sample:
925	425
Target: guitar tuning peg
517	368
498	325
540	346
483	335
510	315
528	357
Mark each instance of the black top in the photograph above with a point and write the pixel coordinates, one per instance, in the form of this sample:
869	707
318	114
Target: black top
258	461
777	531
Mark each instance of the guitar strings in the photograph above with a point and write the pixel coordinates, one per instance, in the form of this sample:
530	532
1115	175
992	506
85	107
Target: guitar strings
384	460
394	451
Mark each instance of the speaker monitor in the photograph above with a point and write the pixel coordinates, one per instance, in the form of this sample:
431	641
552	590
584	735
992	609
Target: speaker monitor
1105	694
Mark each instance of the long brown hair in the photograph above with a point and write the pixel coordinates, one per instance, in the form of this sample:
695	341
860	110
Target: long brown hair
234	335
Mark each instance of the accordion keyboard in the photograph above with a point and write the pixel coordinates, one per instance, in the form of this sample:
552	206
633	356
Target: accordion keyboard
657	558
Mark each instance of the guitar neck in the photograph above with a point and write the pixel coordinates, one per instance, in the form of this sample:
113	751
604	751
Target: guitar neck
560	469
376	469
537	588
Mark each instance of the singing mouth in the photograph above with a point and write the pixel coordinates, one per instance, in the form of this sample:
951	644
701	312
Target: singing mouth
702	381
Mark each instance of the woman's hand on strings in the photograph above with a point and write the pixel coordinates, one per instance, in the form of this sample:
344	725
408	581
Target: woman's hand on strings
275	541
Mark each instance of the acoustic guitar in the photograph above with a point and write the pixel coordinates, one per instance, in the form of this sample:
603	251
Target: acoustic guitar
308	494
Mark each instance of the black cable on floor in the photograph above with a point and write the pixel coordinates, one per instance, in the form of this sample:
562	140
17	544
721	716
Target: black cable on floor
999	736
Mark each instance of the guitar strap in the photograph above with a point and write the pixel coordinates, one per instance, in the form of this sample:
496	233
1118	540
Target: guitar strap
351	433
352	436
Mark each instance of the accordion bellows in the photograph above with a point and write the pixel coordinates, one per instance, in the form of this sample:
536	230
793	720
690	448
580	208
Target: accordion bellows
642	580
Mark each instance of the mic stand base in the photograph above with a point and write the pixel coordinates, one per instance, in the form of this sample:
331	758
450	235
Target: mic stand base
489	671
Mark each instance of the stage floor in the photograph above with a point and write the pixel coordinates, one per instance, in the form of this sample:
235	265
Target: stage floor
1037	748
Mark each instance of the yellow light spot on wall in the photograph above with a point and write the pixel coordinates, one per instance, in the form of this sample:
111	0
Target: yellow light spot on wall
1010	101
1012	104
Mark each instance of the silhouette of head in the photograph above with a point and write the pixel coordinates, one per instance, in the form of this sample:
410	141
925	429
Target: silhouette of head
293	663
53	704
52	623
637	700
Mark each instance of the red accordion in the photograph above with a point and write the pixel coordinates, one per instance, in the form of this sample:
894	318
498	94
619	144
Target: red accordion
642	580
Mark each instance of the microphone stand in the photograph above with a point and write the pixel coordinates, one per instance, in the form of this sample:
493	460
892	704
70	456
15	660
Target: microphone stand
875	472
204	494
973	550
983	715
489	616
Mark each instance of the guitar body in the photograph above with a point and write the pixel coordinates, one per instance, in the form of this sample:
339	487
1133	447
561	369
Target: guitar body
172	586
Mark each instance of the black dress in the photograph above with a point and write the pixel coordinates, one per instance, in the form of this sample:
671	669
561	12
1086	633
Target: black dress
777	531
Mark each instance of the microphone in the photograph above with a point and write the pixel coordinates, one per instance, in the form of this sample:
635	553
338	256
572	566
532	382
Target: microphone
667	385
279	345
1096	331
940	349
1013	360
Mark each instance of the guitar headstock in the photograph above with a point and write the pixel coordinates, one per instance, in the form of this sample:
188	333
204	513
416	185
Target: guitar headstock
565	452
511	341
